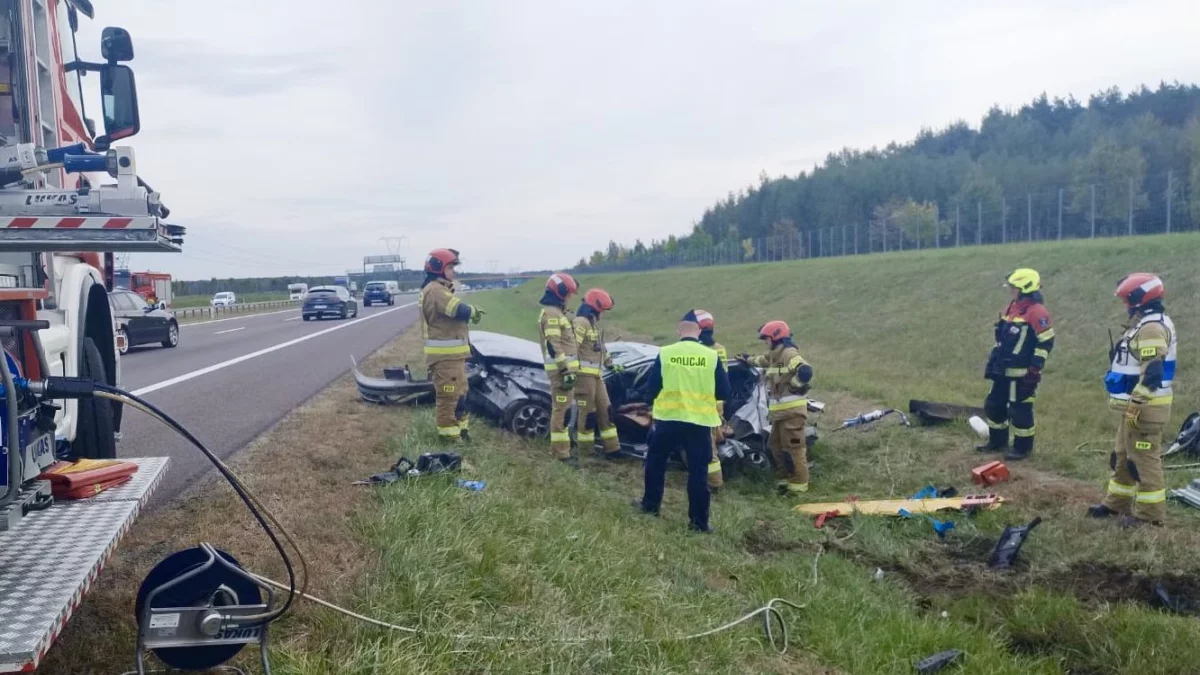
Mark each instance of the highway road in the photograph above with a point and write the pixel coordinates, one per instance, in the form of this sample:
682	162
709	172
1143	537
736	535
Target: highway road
231	379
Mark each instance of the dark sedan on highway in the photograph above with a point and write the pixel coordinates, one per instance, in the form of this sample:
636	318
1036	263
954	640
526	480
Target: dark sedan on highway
140	323
324	301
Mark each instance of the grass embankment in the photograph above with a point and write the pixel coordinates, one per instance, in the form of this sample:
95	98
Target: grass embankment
183	301
545	553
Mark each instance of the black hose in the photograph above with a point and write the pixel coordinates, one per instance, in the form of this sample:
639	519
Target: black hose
233	482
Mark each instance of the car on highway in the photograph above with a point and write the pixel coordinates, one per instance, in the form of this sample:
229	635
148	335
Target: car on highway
140	323
224	299
334	301
381	292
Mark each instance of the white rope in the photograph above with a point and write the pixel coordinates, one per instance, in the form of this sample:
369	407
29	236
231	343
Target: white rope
768	611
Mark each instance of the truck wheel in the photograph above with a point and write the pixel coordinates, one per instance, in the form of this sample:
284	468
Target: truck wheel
94	428
172	336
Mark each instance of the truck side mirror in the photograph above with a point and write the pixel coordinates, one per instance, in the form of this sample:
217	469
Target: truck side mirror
119	95
116	45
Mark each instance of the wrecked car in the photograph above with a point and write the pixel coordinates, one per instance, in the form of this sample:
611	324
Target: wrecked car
509	386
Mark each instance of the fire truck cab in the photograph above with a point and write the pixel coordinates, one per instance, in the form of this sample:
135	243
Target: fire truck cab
42	103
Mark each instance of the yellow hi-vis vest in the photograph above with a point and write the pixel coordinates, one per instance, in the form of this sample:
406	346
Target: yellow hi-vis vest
689	385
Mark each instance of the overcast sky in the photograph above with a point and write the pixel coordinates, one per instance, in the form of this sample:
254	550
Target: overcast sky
291	136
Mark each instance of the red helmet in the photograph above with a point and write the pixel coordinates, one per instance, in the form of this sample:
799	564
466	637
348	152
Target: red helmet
705	319
439	259
774	331
1140	288
561	285
598	299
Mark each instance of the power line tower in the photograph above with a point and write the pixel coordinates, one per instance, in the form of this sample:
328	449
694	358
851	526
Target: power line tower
394	246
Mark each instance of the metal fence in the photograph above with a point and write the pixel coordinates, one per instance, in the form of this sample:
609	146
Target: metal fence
240	308
1159	204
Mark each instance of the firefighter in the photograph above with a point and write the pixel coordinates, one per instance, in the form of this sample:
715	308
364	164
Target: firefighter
1139	384
716	480
789	378
561	361
591	394
1024	338
444	319
685	383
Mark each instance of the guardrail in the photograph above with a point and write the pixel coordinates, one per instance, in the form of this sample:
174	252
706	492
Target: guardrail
239	308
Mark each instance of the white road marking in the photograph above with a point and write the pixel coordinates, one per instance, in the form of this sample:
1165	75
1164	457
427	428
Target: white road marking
234	318
266	350
294	318
231	330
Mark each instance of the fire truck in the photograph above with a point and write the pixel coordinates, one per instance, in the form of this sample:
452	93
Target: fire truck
154	287
62	218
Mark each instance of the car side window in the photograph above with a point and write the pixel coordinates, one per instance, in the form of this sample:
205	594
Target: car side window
135	301
121	302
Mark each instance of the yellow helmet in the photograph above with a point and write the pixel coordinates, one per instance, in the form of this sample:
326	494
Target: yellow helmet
1025	280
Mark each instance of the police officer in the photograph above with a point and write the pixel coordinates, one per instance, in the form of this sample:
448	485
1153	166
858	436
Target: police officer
1139	384
716	480
591	394
1024	339
444	320
685	383
560	357
789	378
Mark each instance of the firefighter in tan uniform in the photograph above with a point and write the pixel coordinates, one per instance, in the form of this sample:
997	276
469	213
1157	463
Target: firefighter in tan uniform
716	480
1139	384
591	394
788	381
559	354
444	320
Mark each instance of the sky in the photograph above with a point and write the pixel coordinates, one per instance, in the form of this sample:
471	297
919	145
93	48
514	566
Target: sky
294	137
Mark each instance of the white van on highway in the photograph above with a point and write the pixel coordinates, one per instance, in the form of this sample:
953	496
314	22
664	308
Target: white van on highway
224	299
297	291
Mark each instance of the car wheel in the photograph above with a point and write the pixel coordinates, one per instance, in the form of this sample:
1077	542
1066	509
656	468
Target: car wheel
172	336
391	302
345	313
757	459
307	317
123	350
94	430
366	303
528	418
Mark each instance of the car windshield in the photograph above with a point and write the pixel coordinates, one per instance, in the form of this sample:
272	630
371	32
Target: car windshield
322	291
223	296
375	287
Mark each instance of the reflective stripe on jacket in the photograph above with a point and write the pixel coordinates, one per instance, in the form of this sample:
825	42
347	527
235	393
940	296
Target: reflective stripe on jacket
446	336
689	390
1152	338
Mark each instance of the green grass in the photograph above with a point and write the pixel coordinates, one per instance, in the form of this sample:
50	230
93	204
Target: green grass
544	553
182	301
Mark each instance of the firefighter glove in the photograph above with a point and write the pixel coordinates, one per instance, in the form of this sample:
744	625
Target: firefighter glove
616	367
568	381
477	314
1131	415
744	357
1032	376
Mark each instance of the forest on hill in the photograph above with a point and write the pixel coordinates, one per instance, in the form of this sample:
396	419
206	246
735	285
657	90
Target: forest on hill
1120	161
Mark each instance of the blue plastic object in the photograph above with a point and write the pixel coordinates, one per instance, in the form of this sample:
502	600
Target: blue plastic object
473	485
85	163
59	154
940	527
927	492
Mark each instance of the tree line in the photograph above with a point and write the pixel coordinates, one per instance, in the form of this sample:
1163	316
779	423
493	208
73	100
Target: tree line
1051	164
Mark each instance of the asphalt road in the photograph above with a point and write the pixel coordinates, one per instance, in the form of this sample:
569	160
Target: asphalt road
231	379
